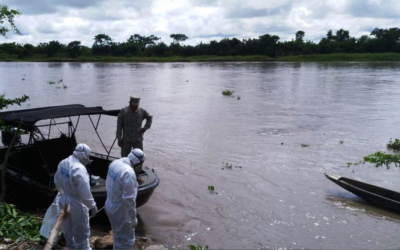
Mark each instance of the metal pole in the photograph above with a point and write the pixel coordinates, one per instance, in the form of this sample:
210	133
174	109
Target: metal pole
4	167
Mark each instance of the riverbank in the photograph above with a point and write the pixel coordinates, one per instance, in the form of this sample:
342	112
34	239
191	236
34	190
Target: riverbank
257	58
384	57
99	239
20	230
138	59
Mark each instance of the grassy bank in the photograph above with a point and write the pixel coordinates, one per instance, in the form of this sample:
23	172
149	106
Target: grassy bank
8	58
342	57
259	58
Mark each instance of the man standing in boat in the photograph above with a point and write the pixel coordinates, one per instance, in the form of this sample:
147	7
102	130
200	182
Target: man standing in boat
129	126
72	182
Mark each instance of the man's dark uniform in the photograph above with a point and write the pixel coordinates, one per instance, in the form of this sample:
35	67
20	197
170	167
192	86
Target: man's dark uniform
128	125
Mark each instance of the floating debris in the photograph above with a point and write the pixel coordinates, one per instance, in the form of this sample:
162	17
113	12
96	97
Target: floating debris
228	92
229	166
212	190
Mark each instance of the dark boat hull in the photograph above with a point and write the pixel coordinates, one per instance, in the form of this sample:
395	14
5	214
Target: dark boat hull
144	191
379	196
35	195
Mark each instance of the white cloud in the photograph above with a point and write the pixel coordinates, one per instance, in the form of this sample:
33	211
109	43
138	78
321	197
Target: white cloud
200	20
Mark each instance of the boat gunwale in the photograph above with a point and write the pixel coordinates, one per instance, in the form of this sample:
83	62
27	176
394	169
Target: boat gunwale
342	180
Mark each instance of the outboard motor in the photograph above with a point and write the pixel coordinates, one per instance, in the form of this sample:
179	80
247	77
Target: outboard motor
6	137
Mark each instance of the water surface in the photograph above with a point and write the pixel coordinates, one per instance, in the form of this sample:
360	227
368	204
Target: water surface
276	194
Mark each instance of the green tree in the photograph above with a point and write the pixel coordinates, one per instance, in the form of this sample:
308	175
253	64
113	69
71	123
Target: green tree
137	42
102	45
7	16
327	45
74	49
11	48
268	45
41	48
330	36
53	48
363	44
342	35
386	40
299	36
159	49
178	38
4	103
143	41
86	51
27	51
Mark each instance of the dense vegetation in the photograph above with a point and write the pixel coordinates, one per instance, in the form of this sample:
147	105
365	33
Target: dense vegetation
138	46
17	225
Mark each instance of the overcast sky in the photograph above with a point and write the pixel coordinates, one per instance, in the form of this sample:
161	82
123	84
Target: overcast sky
200	20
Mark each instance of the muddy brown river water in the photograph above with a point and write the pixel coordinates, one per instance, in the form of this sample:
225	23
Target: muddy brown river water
275	195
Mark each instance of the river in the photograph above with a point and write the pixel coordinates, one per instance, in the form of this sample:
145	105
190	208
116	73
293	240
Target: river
275	195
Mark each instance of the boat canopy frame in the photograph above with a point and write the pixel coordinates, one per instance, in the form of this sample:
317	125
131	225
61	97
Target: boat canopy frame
31	116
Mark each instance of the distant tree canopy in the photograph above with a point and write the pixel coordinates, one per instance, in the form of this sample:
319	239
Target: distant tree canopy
178	38
340	41
102	44
74	49
386	40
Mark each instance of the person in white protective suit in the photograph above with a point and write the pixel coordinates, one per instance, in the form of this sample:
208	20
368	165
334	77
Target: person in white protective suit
120	207
72	181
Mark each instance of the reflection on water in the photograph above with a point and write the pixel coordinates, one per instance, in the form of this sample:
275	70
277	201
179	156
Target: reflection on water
280	197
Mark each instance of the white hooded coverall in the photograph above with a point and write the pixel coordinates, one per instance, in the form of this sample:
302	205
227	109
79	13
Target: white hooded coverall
120	205
72	181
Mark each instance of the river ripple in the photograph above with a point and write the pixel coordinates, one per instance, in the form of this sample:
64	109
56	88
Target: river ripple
276	194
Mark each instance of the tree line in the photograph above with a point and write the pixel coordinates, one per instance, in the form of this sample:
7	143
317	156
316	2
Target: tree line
379	41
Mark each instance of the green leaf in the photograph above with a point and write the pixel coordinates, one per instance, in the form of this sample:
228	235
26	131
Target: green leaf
14	213
8	209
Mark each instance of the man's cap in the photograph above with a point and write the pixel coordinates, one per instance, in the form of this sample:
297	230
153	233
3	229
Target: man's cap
134	100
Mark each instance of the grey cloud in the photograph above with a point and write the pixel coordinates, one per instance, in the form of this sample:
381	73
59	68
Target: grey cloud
219	35
31	7
363	8
47	30
240	12
100	16
367	29
37	7
113	12
204	2
274	29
